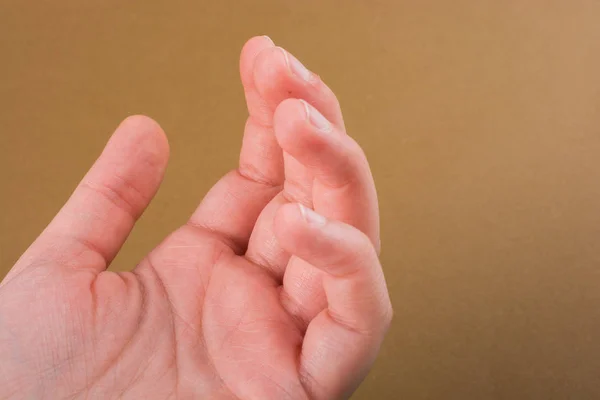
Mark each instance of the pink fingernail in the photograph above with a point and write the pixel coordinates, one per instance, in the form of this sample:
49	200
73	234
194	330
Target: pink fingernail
312	217
296	66
316	118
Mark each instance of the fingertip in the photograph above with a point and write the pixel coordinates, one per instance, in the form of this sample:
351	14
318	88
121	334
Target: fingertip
142	136
298	136
141	121
289	119
299	229
291	228
268	39
270	73
287	221
290	108
251	49
257	42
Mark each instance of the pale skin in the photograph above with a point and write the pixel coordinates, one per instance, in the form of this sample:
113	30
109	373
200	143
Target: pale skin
272	290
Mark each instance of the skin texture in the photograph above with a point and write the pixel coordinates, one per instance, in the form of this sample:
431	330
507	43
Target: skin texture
256	297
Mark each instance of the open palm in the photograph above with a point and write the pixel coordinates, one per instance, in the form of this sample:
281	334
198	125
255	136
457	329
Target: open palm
256	297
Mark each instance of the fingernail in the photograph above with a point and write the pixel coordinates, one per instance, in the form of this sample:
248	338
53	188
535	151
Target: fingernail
311	217
269	39
296	66
316	118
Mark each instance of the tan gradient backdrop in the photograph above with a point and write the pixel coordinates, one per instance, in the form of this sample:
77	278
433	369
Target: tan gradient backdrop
481	119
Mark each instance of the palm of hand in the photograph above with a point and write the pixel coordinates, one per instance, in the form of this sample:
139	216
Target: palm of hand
254	298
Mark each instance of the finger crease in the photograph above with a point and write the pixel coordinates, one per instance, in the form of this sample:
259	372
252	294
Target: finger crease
236	245
252	174
115	197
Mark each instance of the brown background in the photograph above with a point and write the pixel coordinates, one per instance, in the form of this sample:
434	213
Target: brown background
481	119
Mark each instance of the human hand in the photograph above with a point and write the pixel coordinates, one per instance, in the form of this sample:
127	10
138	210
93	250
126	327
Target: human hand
256	297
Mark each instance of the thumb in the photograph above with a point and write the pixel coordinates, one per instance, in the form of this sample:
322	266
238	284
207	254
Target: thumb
92	226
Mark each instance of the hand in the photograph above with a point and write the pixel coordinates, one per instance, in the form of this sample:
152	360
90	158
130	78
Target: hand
256	297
